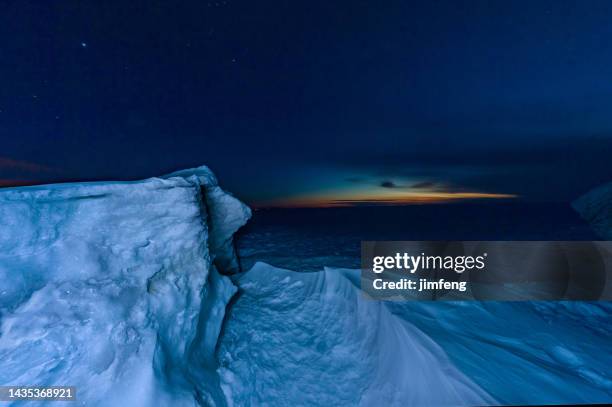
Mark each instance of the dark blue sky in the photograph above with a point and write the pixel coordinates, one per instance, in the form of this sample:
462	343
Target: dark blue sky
289	100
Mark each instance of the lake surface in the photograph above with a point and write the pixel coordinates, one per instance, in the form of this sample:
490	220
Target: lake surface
309	239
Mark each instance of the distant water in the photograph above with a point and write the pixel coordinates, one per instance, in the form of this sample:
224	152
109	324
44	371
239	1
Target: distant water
309	239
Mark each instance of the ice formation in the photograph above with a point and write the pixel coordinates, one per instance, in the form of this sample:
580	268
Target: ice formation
596	208
111	287
226	215
122	290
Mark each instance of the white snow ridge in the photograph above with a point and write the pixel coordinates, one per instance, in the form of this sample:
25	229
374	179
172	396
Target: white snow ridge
120	289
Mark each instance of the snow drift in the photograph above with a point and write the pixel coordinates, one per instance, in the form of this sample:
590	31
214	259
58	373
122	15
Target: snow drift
313	339
113	287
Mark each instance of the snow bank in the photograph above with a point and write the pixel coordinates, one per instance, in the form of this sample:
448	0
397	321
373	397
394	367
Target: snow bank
312	339
110	287
596	208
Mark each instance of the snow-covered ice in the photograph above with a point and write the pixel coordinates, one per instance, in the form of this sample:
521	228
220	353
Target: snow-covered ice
110	287
596	208
524	352
313	339
121	289
226	215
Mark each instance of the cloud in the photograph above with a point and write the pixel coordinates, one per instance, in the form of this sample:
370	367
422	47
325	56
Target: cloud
389	184
27	166
418	185
16	183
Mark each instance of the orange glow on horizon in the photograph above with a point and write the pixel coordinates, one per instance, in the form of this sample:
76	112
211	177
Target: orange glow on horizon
391	199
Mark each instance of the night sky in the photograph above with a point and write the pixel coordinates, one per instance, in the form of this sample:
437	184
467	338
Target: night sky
307	103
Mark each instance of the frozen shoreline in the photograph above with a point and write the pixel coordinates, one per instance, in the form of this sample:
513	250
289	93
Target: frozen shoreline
117	288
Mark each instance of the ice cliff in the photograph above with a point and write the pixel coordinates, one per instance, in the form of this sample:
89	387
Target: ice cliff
113	287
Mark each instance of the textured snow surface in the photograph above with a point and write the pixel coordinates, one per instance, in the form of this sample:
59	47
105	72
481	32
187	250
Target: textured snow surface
110	287
524	352
596	208
312	339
